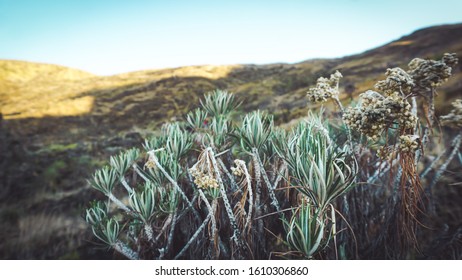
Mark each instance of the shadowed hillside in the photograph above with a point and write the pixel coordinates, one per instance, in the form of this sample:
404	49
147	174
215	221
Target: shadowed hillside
60	123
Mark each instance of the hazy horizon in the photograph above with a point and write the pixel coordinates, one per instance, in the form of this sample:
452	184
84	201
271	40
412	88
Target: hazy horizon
112	37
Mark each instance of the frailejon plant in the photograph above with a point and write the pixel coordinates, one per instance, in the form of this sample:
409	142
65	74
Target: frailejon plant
219	187
214	187
396	121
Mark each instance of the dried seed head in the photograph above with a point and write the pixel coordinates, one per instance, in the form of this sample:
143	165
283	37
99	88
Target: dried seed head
397	80
150	164
429	74
325	88
375	112
237	171
409	143
203	181
202	172
386	152
454	118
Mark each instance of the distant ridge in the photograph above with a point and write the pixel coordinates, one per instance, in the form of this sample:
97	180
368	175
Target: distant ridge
164	93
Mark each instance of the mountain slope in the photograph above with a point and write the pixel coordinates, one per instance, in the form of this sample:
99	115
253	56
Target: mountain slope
57	92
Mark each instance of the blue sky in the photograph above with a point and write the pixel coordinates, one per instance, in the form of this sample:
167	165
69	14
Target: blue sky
110	37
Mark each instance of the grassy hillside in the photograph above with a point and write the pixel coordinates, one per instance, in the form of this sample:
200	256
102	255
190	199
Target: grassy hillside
60	123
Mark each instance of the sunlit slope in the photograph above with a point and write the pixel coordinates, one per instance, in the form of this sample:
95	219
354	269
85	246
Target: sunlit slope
33	90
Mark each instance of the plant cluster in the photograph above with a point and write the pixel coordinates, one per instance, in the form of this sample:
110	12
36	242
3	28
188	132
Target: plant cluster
217	186
212	186
391	121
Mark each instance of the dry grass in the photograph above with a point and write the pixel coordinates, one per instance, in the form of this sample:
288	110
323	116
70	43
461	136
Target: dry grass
44	235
